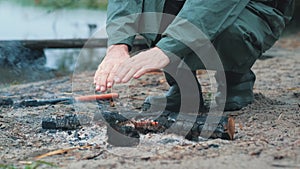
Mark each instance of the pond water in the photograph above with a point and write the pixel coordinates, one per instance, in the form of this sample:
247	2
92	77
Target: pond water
30	22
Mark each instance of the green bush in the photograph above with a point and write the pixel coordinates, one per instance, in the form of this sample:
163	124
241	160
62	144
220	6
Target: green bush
32	165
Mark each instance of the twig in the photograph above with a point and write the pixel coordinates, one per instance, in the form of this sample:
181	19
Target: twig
279	117
286	165
61	151
93	156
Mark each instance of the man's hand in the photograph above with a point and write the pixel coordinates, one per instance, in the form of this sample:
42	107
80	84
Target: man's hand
140	64
118	67
104	76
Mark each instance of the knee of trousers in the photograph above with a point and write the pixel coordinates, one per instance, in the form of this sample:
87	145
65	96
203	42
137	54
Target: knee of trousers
240	45
238	48
243	42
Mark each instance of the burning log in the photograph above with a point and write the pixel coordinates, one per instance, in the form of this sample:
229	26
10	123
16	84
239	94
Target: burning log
224	128
67	122
122	131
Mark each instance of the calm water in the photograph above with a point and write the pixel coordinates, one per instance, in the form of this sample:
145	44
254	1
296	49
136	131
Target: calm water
23	22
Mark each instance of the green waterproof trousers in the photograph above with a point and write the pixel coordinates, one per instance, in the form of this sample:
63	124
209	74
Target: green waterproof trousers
239	30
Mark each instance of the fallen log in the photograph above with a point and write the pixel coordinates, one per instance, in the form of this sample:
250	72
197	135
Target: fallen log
68	43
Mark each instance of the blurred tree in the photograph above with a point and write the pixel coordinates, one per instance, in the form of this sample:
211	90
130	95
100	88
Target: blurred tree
73	3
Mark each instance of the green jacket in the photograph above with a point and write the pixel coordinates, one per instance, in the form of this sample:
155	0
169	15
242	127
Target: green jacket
210	16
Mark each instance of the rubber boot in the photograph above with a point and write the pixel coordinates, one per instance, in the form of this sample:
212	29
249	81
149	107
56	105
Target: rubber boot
172	99
239	90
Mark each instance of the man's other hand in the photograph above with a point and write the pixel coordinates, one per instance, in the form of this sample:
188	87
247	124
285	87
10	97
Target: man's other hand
106	72
119	67
140	64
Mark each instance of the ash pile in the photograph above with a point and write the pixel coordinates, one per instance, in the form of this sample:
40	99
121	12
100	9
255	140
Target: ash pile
19	64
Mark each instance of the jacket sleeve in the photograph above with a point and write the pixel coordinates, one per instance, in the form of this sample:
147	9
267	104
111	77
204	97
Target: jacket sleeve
122	21
287	8
198	23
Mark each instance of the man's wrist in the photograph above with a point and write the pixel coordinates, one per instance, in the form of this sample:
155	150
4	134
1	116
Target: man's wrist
171	56
122	47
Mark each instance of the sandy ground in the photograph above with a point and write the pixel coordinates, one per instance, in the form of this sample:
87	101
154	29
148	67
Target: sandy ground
267	131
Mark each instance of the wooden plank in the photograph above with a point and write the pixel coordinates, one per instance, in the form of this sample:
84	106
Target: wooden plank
68	43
